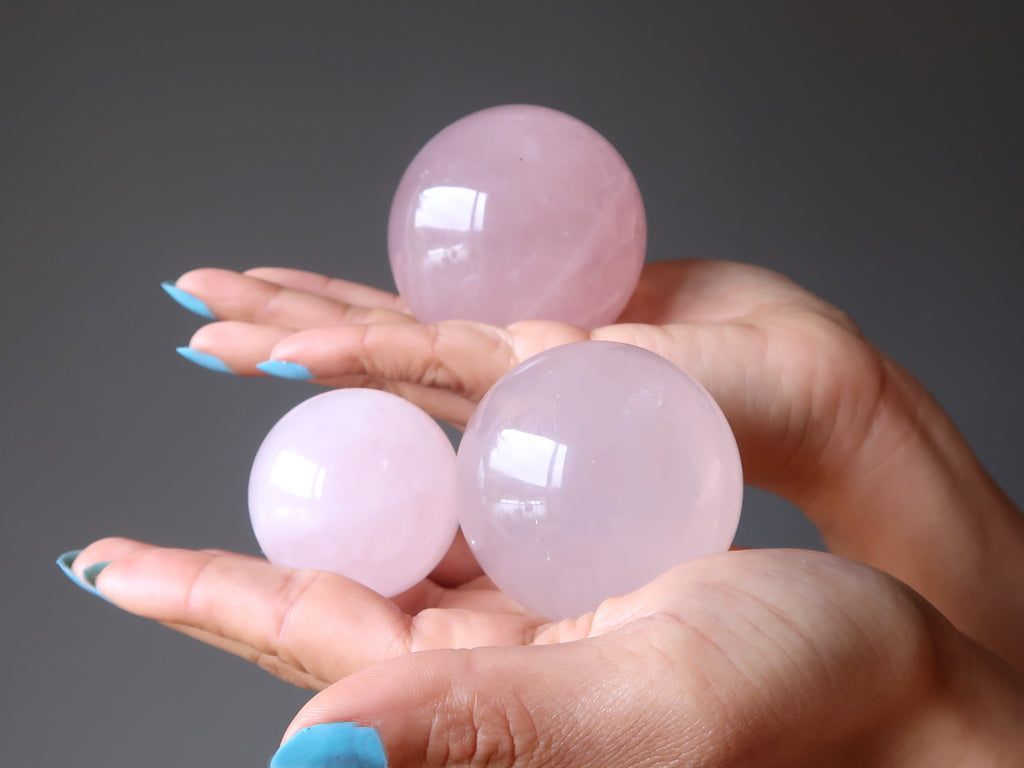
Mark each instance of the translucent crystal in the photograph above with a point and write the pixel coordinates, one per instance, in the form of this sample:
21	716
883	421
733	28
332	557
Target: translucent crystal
517	213
591	469
359	482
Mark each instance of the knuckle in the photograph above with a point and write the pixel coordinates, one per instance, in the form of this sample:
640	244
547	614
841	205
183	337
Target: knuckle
484	731
293	590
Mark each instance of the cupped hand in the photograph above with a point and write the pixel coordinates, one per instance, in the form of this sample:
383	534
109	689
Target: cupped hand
821	416
754	658
747	658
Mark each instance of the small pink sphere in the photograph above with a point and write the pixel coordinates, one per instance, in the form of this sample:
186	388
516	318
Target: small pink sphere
517	213
591	469
359	482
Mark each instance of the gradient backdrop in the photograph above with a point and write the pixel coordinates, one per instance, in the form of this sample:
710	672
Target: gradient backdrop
871	151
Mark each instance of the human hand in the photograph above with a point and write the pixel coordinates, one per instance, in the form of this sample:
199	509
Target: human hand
493	682
821	416
753	658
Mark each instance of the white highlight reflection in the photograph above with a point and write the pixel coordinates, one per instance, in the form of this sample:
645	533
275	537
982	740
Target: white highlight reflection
297	475
451	208
531	459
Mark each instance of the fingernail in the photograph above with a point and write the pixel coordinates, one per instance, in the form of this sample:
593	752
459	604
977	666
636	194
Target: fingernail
204	360
332	745
89	574
285	370
88	580
187	300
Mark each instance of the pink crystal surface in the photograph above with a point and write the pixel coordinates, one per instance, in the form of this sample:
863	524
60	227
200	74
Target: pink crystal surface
591	469
359	482
515	213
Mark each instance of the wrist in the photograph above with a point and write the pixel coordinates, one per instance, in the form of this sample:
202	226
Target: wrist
967	714
950	531
973	717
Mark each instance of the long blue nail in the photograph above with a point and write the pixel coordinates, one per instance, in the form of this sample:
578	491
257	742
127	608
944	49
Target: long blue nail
332	745
188	301
285	370
90	573
204	360
88	580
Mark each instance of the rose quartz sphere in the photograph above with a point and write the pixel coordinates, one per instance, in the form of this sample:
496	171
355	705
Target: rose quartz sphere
517	213
590	470
359	482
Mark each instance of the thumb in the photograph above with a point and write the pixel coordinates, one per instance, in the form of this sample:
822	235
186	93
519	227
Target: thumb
520	706
760	658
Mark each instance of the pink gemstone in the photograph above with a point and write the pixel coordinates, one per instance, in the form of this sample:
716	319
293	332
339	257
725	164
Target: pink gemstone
517	213
591	469
359	482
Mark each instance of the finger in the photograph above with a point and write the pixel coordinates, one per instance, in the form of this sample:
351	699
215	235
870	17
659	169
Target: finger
249	606
493	707
458	356
496	706
237	346
233	296
444	369
104	551
272	664
108	550
241	348
330	287
318	623
269	663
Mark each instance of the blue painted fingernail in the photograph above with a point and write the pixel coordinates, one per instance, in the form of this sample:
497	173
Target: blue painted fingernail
89	574
332	745
204	360
285	370
88	580
188	301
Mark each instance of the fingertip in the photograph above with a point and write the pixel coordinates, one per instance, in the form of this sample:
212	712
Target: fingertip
204	360
85	577
331	744
91	572
284	369
192	303
66	561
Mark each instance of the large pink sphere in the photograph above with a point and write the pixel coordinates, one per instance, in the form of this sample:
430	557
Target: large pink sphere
590	470
359	482
517	213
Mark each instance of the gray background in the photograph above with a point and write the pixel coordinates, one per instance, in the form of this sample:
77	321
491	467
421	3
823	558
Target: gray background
869	150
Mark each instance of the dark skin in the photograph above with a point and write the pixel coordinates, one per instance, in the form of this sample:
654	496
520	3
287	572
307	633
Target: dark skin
746	658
